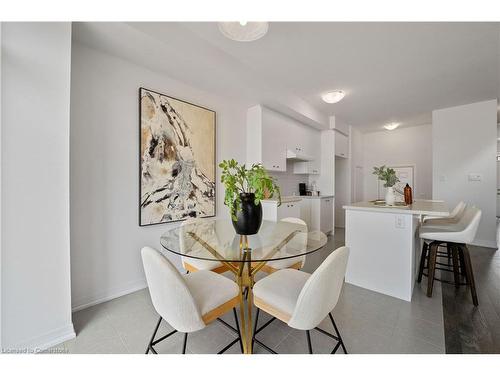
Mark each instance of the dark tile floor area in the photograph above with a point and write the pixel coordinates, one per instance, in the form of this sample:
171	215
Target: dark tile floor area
471	329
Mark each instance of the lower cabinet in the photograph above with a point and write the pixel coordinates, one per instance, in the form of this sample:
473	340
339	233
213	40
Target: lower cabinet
291	209
321	214
316	212
271	211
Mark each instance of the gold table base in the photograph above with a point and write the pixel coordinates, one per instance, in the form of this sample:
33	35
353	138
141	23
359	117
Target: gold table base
244	273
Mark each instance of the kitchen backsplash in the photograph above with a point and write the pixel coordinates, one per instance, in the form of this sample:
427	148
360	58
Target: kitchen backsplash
288	181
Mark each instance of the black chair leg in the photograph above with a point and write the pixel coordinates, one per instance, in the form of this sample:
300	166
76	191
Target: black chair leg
185	343
337	332
255	327
150	344
422	261
309	342
238	328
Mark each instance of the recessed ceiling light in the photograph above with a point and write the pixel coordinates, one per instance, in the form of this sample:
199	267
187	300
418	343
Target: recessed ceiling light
391	126
333	96
243	31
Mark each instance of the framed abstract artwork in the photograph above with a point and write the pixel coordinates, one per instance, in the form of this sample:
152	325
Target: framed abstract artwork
177	159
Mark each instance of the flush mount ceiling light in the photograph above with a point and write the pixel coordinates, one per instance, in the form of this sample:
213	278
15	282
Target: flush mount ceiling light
391	126
243	31
333	96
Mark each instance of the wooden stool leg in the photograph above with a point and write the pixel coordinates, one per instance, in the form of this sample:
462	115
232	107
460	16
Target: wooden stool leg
456	272
422	262
432	267
470	274
461	261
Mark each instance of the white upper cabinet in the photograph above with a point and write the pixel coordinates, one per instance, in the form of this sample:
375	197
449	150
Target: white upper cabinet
300	140
341	145
265	142
272	137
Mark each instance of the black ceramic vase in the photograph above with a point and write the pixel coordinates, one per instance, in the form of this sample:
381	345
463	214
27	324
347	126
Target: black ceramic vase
249	218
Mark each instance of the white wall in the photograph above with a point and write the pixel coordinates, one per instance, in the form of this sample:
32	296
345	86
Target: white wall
326	180
1	241
289	181
105	236
464	141
36	303
400	147
342	189
357	161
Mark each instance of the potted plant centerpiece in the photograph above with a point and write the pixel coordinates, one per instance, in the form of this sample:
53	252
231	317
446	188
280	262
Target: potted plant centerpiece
245	188
388	175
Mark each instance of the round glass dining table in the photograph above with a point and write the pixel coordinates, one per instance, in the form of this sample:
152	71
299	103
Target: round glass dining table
216	240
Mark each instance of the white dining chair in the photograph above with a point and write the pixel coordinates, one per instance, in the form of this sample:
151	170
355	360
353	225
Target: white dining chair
193	264
299	242
187	302
456	237
303	300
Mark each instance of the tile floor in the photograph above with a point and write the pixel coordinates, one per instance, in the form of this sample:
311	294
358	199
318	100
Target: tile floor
369	323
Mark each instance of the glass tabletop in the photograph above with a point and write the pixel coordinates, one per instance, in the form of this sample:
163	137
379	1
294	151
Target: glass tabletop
216	239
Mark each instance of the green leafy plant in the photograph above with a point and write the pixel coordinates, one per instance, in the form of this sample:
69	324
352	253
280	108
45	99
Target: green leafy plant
238	179
388	175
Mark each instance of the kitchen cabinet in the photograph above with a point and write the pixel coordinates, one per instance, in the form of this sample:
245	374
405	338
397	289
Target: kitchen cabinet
306	167
322	214
305	211
289	208
299	139
341	145
265	142
273	138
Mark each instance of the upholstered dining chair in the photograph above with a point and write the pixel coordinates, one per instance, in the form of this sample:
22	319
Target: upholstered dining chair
193	264
187	302
299	241
303	300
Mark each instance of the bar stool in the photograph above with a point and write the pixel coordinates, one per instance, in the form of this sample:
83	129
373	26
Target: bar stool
443	223
452	218
456	237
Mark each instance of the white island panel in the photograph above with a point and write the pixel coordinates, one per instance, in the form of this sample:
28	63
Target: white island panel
384	245
382	252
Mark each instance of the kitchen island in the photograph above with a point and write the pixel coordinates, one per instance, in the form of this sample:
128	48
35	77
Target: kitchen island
384	245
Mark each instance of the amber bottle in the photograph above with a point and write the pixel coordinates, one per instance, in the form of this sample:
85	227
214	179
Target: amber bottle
408	194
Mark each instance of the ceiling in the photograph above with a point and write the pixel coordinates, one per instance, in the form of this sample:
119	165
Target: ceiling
390	71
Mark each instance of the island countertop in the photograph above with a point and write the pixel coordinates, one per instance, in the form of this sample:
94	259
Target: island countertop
424	207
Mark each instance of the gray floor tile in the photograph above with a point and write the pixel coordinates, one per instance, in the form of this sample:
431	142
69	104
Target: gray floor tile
369	322
421	329
400	344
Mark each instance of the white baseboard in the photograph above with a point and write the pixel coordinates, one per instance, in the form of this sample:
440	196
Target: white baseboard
108	295
44	341
485	243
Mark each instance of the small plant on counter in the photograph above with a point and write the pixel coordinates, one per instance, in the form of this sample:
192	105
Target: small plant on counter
238	180
388	175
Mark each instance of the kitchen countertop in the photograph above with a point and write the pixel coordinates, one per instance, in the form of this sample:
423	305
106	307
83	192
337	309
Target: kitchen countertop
315	196
434	208
296	198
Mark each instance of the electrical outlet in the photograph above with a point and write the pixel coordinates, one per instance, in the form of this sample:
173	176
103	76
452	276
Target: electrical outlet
400	222
475	177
